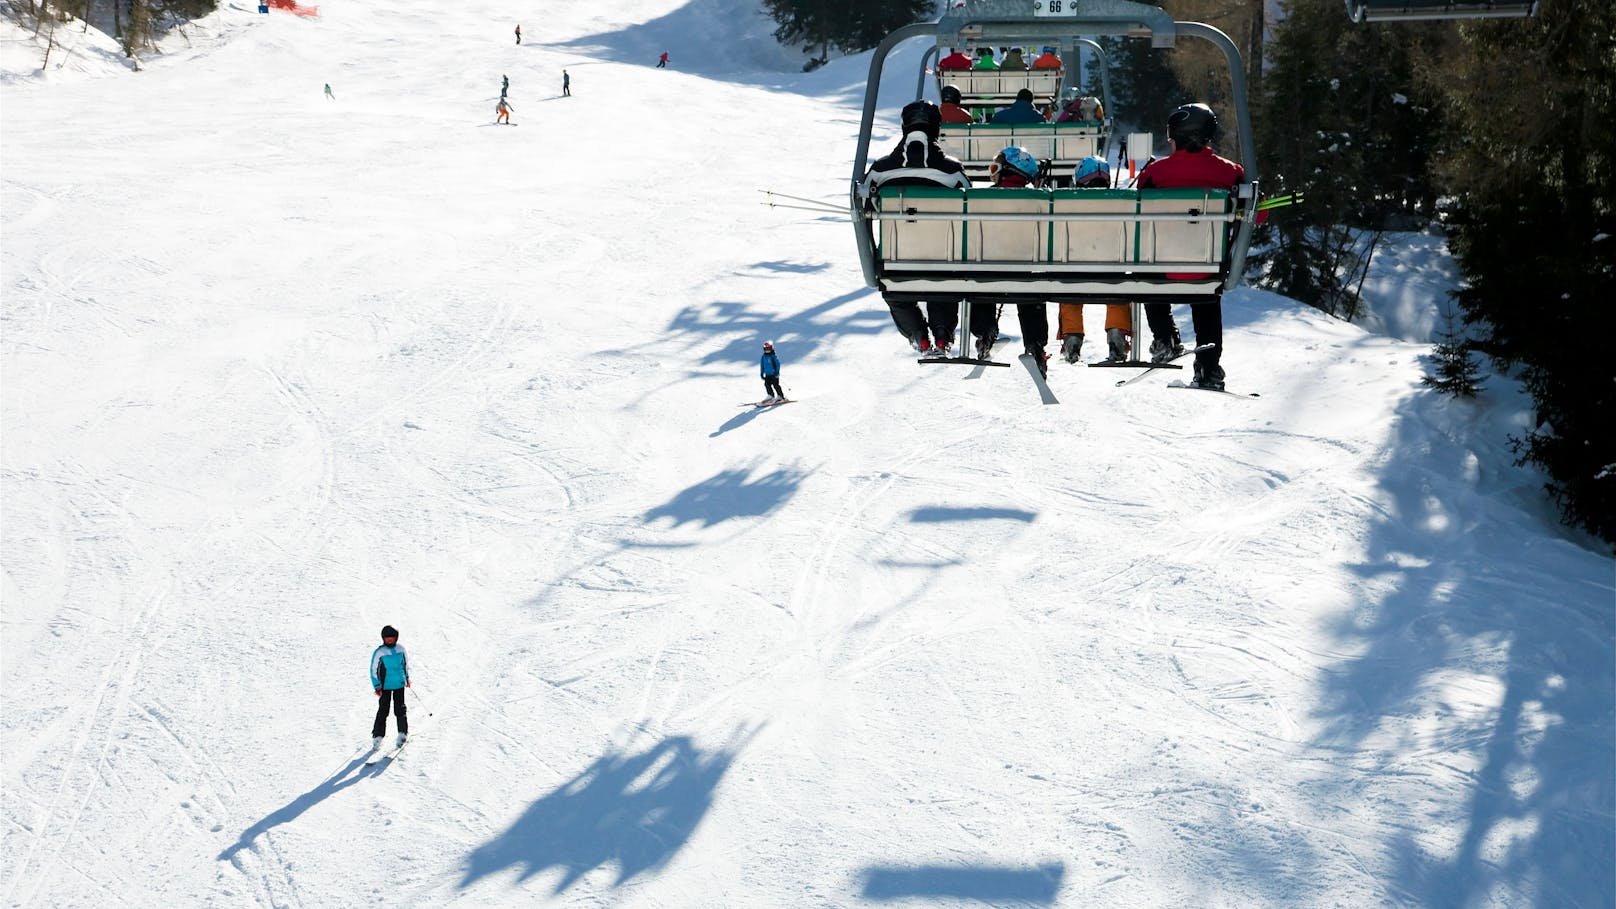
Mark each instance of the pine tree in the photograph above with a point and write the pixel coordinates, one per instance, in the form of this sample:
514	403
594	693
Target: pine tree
1343	116
1457	372
1531	164
847	25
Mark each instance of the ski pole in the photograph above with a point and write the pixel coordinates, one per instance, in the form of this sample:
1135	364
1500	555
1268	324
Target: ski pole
418	700
829	206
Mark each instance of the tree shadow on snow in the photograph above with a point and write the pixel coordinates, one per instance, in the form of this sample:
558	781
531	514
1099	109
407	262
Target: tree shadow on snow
1537	810
735	45
342	779
635	811
996	886
795	335
730	494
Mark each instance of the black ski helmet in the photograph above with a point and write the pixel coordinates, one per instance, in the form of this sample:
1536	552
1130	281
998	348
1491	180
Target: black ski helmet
1192	127
924	116
389	631
951	94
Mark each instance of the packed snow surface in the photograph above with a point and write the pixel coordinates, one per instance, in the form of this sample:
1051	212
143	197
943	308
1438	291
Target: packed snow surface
280	369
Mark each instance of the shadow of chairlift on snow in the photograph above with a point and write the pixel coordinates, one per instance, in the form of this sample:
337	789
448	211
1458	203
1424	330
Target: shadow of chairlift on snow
632	810
729	494
988	884
940	515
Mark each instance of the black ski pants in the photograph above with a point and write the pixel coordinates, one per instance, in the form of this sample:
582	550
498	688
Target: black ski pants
1034	319
1207	319
396	697
771	386
941	318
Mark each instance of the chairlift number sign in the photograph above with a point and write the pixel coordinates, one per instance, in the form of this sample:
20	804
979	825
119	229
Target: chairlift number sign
1046	8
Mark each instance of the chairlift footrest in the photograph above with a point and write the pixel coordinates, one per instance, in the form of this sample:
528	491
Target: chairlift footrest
968	361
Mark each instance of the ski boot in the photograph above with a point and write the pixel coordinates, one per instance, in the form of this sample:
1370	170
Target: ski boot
1163	349
1207	375
984	346
1117	345
1072	347
1039	357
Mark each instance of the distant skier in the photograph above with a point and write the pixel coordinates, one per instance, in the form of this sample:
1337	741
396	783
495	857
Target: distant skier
519	34
389	676
566	85
662	62
503	112
504	86
328	95
769	366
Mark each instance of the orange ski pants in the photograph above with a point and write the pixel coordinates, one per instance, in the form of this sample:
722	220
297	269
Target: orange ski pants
1117	315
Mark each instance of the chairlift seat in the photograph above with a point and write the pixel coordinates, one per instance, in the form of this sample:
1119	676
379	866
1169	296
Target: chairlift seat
995	88
1036	245
1064	144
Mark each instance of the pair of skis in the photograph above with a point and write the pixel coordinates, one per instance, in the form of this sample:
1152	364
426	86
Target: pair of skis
385	754
1148	368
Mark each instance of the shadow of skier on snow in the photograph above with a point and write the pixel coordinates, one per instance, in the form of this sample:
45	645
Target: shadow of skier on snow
294	809
631	810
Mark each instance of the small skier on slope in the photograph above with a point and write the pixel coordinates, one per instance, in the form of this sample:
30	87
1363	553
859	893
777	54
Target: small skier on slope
389	676
769	366
503	112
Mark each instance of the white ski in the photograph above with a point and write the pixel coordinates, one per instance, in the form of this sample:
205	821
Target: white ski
386	755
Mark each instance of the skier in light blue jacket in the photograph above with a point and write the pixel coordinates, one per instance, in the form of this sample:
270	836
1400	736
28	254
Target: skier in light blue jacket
389	676
769	367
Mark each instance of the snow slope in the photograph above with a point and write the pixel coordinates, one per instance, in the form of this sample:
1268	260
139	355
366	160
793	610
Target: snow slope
278	370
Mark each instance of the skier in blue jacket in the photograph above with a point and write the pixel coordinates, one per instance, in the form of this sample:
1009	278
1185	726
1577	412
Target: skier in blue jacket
769	366
389	676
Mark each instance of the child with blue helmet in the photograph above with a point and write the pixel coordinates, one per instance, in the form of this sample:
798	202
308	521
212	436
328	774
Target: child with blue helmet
1014	168
1094	172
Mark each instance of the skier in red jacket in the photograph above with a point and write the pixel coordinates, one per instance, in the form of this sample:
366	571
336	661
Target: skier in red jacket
1193	164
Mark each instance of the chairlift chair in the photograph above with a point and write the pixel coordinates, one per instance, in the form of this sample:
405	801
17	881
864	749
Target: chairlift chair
994	246
1416	10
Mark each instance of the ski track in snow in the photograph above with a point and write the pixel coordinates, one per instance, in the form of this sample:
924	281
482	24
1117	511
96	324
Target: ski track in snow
279	370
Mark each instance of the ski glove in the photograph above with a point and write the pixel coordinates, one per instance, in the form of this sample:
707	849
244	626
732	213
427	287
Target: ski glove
378	692
406	683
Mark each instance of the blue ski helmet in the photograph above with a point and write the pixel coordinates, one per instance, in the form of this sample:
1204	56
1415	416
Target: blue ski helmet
1093	171
1017	160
